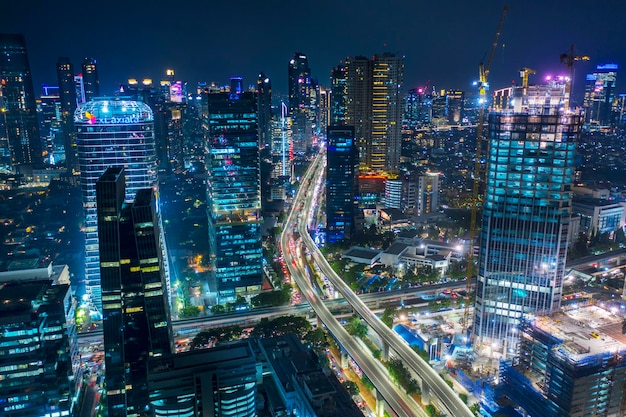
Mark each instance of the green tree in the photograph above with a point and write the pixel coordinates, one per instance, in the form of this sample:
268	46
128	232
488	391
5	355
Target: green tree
388	316
430	410
316	338
475	408
357	328
281	325
351	387
189	311
463	397
218	309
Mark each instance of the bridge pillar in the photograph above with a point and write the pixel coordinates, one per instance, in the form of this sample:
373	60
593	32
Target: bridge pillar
344	359
425	394
385	352
380	405
319	323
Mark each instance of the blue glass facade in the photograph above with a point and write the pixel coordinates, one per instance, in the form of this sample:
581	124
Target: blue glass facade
233	193
342	168
525	221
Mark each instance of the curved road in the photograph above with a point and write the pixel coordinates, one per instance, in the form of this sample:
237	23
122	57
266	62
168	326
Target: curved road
397	399
444	396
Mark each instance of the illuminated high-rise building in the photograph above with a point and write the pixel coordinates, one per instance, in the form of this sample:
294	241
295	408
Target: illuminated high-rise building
233	193
299	82
526	213
600	96
455	100
375	109
67	93
264	93
111	132
17	101
136	316
338	95
342	170
90	79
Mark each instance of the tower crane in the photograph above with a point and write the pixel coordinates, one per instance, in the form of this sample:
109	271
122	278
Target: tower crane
524	73
568	58
483	86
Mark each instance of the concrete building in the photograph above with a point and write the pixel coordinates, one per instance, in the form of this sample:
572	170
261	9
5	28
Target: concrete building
599	216
570	365
217	382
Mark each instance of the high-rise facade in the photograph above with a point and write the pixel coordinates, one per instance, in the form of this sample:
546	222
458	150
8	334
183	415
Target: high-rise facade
600	96
299	82
91	82
111	132
233	193
374	108
342	170
264	92
338	95
67	93
17	101
526	213
40	372
136	316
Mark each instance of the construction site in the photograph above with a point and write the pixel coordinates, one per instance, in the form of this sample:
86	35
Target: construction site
572	363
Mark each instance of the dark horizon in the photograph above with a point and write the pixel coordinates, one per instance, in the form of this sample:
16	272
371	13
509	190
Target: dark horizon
443	42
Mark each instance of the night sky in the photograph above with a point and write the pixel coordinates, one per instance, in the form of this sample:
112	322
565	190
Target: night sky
443	41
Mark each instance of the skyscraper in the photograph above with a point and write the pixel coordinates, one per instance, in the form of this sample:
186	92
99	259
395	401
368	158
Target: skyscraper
111	132
526	213
233	193
264	92
299	80
375	108
20	110
600	96
338	95
136	316
67	92
90	79
342	170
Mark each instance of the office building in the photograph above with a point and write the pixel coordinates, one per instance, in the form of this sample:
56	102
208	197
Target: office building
233	193
338	95
264	93
111	132
342	170
526	214
427	193
221	381
393	193
67	94
303	102
599	216
455	103
375	109
50	118
80	88
567	368
299	83
136	317
600	96
17	100
40	373
90	79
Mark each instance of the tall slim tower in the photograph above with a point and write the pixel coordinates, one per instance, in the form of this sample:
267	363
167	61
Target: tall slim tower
233	193
136	310
90	79
111	132
342	170
526	213
299	82
67	93
17	101
338	95
264	91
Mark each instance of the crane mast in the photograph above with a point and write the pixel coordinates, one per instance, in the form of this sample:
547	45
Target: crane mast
483	86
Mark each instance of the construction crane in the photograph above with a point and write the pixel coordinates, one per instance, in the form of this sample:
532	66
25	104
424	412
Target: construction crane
524	73
483	86
568	58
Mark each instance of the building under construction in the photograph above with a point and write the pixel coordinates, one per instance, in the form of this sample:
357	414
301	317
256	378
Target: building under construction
570	365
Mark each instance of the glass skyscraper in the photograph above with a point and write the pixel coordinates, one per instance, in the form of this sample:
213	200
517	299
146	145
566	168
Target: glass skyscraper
342	170
600	96
136	316
526	213
233	193
111	132
91	82
67	93
18	109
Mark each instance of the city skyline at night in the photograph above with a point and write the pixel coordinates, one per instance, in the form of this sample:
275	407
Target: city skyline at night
443	44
